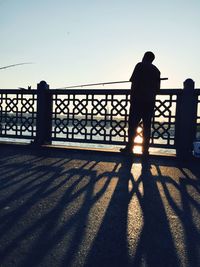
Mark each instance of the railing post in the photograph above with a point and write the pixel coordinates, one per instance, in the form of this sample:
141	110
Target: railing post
44	115
186	121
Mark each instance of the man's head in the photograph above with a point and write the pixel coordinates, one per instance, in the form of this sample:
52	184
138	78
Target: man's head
148	57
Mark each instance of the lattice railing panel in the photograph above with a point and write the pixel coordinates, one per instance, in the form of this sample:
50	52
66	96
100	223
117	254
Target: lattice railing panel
17	114
163	126
99	117
90	117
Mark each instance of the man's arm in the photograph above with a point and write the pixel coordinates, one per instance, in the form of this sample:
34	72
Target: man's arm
136	73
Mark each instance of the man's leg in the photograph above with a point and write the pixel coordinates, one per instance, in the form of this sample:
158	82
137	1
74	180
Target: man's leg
133	122
147	116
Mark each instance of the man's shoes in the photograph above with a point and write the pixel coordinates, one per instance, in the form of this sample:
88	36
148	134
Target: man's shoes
126	150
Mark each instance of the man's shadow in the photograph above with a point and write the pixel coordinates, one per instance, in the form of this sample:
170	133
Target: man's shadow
156	246
110	247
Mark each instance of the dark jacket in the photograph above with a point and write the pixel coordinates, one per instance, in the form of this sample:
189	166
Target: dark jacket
145	82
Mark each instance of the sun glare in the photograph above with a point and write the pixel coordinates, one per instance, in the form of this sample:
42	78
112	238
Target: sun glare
139	140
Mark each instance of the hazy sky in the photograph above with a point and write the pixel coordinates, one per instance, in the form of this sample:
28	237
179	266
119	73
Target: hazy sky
86	41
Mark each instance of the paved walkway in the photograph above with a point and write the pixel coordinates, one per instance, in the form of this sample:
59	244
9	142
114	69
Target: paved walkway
67	208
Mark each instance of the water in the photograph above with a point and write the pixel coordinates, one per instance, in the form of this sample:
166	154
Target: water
137	148
89	130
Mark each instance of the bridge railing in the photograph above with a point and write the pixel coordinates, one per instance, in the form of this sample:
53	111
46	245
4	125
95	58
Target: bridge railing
18	114
97	116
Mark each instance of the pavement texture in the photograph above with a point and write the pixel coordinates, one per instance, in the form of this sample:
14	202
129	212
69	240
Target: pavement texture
86	208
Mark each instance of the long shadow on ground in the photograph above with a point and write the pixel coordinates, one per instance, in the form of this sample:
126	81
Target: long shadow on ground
71	209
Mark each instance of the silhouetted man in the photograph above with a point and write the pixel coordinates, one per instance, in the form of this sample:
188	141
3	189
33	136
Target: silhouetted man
145	85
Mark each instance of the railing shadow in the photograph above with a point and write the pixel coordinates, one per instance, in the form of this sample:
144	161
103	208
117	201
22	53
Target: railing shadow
155	246
78	210
189	189
110	247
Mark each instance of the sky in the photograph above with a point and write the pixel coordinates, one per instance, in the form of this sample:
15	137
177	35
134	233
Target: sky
73	42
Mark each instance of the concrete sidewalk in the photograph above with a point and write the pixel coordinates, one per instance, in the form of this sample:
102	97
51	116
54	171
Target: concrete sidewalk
75	208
